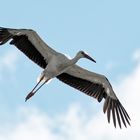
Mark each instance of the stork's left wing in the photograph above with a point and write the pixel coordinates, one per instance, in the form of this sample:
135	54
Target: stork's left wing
97	86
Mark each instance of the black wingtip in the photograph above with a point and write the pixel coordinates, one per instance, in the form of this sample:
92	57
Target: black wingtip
115	109
4	35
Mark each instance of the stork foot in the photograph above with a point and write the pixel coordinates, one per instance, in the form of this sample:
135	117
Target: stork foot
29	96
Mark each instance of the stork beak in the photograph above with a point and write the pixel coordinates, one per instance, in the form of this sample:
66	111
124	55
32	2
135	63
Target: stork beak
90	58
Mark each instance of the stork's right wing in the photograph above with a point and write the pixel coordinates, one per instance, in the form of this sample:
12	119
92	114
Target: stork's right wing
29	42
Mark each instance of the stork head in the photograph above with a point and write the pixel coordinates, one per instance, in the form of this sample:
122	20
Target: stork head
85	55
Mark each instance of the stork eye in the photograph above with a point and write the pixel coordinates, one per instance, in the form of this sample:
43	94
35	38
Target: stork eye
82	52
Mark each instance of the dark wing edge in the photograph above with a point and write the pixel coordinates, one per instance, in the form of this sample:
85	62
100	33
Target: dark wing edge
24	45
111	106
4	35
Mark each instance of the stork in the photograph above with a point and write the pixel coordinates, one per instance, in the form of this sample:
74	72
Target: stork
57	65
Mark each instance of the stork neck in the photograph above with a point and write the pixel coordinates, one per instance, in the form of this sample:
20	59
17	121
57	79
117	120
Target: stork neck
75	59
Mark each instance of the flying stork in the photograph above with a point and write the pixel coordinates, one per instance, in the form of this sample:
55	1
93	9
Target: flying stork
57	65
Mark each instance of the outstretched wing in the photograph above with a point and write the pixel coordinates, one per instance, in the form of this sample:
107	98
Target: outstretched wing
29	42
97	86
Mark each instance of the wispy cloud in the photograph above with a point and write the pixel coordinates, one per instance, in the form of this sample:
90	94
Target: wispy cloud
111	65
75	123
136	55
8	62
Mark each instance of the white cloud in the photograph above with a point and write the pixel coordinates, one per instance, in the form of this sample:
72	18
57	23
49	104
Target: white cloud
136	55
8	60
110	65
75	123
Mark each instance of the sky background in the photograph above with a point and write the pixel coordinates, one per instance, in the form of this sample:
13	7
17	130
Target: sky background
109	31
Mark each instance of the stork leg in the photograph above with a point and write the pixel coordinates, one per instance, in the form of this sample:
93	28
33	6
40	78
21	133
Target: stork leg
32	93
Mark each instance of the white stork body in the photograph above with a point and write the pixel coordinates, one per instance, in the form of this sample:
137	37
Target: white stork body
58	65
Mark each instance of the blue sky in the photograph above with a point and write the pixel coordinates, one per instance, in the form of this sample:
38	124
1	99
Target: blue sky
108	30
